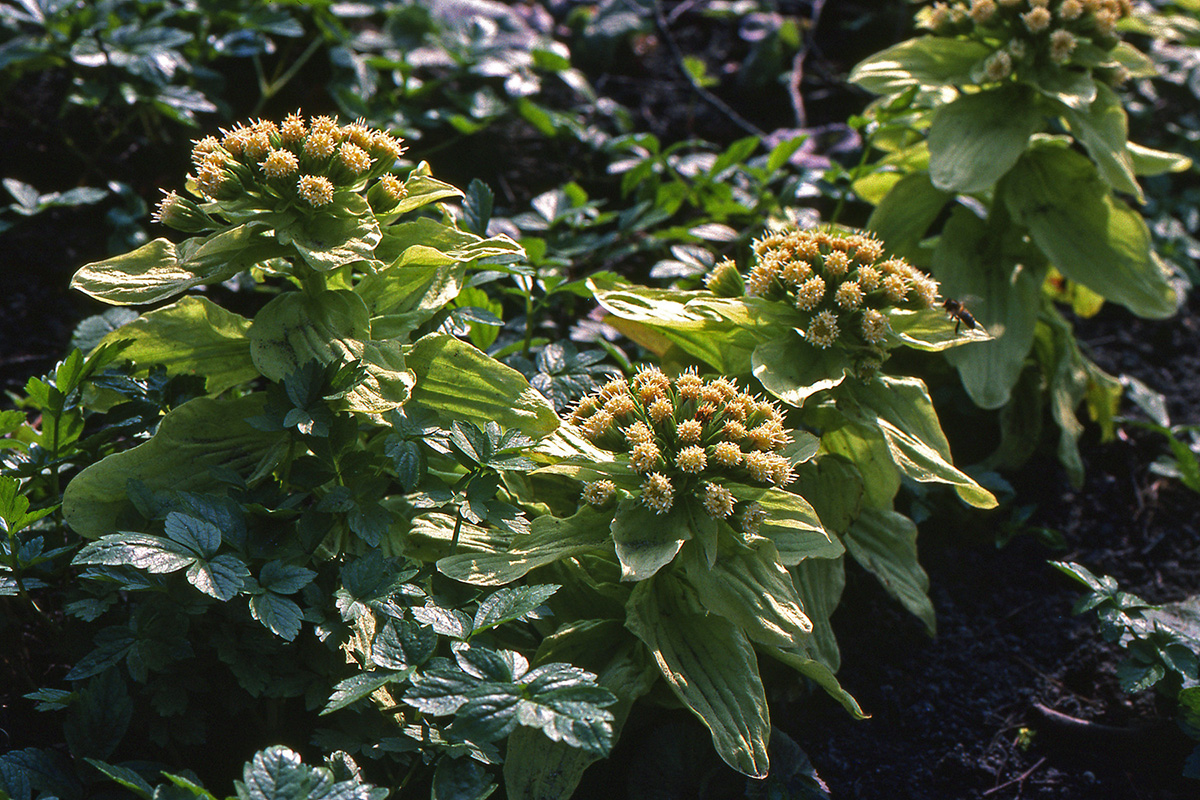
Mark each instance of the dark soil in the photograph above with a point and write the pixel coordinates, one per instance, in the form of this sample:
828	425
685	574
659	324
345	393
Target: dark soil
977	711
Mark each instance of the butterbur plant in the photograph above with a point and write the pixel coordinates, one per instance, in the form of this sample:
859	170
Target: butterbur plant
275	533
676	563
1009	113
813	321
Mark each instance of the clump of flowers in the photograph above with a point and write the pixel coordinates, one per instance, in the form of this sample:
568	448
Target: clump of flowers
1031	35
299	163
841	284
686	437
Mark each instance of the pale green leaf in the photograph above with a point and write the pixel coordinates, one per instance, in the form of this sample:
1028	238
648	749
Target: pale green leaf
905	213
793	370
160	269
461	382
803	662
192	336
550	539
710	665
331	327
1089	235
970	261
924	61
1103	128
931	329
646	541
192	441
328	241
791	524
750	588
884	543
904	413
1148	161
819	583
977	138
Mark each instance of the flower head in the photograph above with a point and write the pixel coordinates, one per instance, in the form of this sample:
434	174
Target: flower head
658	494
718	501
317	190
599	493
280	164
823	330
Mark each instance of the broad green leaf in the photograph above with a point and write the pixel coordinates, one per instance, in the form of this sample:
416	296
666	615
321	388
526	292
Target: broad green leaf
670	317
924	61
931	329
866	448
331	327
420	190
710	665
977	138
402	298
819	583
970	261
750	588
428	242
327	241
160	269
791	524
459	381
793	370
1148	161
1089	235
550	539
836	489
646	541
192	336
905	213
193	441
885	544
803	662
1072	88
1103	128
902	409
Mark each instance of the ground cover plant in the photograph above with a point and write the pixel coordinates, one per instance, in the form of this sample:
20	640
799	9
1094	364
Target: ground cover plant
464	491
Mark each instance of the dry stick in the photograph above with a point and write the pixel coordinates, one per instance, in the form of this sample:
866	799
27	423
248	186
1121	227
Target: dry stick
797	75
660	22
1020	779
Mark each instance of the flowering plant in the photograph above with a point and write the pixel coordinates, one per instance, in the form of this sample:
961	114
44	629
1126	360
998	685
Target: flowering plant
687	523
1007	113
814	321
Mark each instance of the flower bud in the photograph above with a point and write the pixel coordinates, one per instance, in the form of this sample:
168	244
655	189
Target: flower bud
725	281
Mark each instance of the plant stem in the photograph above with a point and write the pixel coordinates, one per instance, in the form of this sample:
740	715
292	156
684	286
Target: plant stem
269	88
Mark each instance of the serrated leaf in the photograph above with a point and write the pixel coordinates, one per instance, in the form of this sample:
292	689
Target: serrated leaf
154	554
276	773
221	577
125	777
461	778
356	687
280	615
511	603
403	644
197	535
445	621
